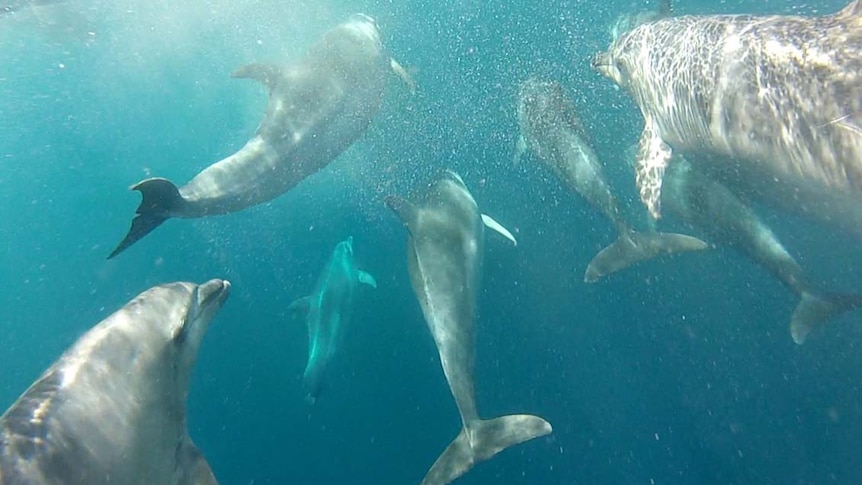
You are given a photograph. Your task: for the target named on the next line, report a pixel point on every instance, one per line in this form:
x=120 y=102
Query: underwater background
x=676 y=371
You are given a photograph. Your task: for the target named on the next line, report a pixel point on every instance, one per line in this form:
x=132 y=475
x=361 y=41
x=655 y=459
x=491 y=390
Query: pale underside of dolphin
x=112 y=408
x=328 y=313
x=444 y=251
x=711 y=207
x=774 y=100
x=551 y=130
x=317 y=108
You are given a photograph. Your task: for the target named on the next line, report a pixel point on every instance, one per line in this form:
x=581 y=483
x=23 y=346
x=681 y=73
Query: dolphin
x=317 y=108
x=708 y=205
x=444 y=258
x=112 y=409
x=328 y=312
x=550 y=128
x=772 y=101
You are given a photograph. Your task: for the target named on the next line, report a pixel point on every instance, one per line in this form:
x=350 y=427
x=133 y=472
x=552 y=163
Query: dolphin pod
x=550 y=128
x=773 y=103
x=317 y=108
x=444 y=255
x=328 y=312
x=112 y=408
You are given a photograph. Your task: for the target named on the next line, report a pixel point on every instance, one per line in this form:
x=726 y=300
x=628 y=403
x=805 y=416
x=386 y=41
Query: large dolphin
x=550 y=128
x=772 y=101
x=112 y=409
x=711 y=207
x=328 y=312
x=317 y=108
x=445 y=246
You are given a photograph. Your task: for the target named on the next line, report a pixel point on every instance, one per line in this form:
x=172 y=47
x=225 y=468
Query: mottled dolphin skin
x=317 y=108
x=328 y=311
x=550 y=128
x=772 y=100
x=445 y=246
x=112 y=409
x=711 y=207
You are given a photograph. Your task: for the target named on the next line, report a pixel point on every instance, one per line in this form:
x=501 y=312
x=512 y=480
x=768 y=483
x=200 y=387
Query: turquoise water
x=675 y=371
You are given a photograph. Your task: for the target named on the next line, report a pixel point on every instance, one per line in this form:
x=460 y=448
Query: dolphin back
x=480 y=440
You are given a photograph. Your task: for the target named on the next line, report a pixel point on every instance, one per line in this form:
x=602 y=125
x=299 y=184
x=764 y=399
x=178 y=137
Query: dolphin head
x=344 y=249
x=364 y=26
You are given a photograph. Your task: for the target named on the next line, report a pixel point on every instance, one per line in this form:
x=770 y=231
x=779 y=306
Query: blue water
x=674 y=372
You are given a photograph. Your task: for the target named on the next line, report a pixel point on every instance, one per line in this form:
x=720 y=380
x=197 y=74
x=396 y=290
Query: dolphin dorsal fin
x=490 y=223
x=854 y=9
x=367 y=279
x=266 y=74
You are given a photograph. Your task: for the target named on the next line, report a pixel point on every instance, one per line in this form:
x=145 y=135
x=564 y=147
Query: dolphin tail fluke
x=814 y=310
x=160 y=199
x=633 y=247
x=480 y=440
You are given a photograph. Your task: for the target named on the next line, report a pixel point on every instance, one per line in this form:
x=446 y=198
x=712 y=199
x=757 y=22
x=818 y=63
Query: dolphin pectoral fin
x=367 y=279
x=300 y=305
x=193 y=467
x=480 y=441
x=405 y=210
x=160 y=199
x=266 y=74
x=520 y=150
x=634 y=247
x=403 y=74
x=490 y=223
x=652 y=160
x=813 y=310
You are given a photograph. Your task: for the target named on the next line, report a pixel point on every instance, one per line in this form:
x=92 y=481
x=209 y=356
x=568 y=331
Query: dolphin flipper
x=367 y=279
x=520 y=150
x=160 y=198
x=399 y=70
x=490 y=223
x=266 y=74
x=814 y=309
x=195 y=469
x=633 y=247
x=482 y=439
x=652 y=160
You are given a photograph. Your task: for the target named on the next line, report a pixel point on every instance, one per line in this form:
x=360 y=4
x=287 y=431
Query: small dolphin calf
x=710 y=206
x=328 y=312
x=317 y=108
x=550 y=128
x=775 y=100
x=444 y=257
x=112 y=409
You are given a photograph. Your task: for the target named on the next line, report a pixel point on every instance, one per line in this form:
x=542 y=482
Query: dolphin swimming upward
x=711 y=207
x=317 y=108
x=112 y=409
x=550 y=128
x=328 y=311
x=444 y=256
x=772 y=101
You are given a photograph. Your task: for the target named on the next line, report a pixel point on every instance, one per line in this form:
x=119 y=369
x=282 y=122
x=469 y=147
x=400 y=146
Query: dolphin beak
x=213 y=291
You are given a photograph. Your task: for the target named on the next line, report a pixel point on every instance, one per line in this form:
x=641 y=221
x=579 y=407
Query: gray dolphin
x=550 y=128
x=112 y=409
x=317 y=108
x=775 y=101
x=445 y=247
x=711 y=207
x=328 y=311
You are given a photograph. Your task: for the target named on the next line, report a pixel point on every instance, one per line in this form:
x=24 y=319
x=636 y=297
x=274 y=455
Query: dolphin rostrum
x=112 y=409
x=317 y=108
x=773 y=100
x=550 y=128
x=444 y=255
x=328 y=312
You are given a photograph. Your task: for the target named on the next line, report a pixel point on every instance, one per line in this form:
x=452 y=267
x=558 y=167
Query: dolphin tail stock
x=160 y=198
x=633 y=247
x=480 y=440
x=817 y=309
